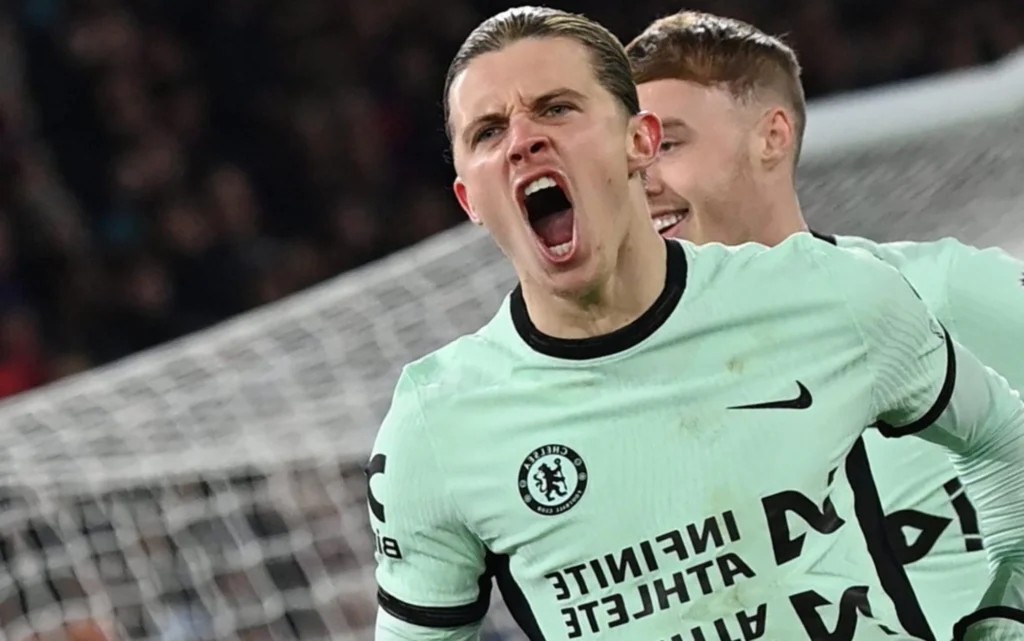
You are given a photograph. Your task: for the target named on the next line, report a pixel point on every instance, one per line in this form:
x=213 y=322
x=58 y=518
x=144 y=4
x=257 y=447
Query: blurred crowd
x=165 y=164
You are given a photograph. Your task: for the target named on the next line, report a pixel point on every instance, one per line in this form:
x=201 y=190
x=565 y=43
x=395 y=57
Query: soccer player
x=733 y=112
x=651 y=440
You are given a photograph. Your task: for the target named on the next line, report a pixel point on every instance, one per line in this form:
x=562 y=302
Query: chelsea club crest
x=552 y=479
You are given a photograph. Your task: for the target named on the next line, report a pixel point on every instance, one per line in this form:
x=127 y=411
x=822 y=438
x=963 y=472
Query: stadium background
x=167 y=165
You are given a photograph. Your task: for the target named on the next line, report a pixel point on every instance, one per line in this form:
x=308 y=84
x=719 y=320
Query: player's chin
x=572 y=278
x=572 y=285
x=556 y=277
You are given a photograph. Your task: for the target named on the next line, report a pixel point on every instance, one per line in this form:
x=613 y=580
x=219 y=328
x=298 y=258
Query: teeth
x=661 y=223
x=544 y=182
x=561 y=250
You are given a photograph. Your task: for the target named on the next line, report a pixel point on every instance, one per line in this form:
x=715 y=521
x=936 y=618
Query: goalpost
x=213 y=488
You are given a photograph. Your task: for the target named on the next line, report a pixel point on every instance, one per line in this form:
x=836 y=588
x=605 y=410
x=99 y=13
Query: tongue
x=555 y=229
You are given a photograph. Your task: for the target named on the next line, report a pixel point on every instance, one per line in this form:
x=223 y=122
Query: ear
x=644 y=140
x=462 y=196
x=777 y=138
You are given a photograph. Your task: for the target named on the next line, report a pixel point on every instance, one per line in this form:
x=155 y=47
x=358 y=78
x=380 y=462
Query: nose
x=526 y=144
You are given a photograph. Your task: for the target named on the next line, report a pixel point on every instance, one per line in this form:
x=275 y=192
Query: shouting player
x=733 y=113
x=651 y=440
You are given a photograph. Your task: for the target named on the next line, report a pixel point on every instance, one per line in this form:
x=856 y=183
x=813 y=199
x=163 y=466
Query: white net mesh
x=213 y=489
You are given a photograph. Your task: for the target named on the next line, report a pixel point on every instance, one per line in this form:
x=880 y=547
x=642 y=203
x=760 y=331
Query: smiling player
x=650 y=440
x=733 y=111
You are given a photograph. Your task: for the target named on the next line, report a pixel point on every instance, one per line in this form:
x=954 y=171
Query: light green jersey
x=978 y=295
x=696 y=476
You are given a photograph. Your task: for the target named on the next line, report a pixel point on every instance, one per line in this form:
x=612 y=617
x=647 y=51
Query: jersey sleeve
x=927 y=385
x=985 y=307
x=431 y=572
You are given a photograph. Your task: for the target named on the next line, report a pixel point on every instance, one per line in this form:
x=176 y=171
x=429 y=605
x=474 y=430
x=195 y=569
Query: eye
x=668 y=145
x=557 y=109
x=485 y=133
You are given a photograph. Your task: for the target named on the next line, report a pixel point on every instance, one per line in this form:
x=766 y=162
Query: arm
x=985 y=298
x=986 y=305
x=431 y=574
x=927 y=385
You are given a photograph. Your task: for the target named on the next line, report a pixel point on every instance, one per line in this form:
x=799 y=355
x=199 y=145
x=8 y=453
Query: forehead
x=689 y=101
x=497 y=81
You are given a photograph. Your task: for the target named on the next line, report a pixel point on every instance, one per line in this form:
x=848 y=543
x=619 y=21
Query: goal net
x=213 y=489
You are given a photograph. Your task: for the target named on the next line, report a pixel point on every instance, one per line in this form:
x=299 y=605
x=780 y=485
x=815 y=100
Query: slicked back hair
x=608 y=57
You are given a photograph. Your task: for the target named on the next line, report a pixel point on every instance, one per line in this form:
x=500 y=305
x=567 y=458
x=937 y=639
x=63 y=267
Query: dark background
x=166 y=164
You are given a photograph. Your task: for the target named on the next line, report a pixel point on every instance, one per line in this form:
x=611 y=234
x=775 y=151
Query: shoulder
x=440 y=374
x=961 y=259
x=431 y=387
x=982 y=283
x=932 y=255
x=468 y=363
x=801 y=277
x=935 y=268
x=871 y=285
x=935 y=253
x=405 y=432
x=801 y=256
x=718 y=259
x=800 y=267
x=851 y=259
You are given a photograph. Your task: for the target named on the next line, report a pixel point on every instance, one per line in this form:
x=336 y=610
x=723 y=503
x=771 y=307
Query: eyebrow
x=541 y=101
x=674 y=123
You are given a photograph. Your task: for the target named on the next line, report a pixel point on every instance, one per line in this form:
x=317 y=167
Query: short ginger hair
x=715 y=51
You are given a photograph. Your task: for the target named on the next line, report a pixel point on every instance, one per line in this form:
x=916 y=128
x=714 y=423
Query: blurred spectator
x=21 y=363
x=166 y=164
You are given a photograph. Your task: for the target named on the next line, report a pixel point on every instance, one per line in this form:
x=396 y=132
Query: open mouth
x=550 y=214
x=666 y=222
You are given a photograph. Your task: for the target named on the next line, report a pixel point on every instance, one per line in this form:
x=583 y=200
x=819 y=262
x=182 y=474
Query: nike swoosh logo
x=801 y=402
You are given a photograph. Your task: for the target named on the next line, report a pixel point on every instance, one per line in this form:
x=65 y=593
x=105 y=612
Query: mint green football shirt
x=696 y=476
x=978 y=296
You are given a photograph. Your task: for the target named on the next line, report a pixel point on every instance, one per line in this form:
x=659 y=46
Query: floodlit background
x=166 y=165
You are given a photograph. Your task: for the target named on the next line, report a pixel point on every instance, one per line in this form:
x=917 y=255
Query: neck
x=778 y=218
x=629 y=288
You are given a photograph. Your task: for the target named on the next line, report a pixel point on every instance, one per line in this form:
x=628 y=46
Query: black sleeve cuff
x=435 y=617
x=994 y=612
